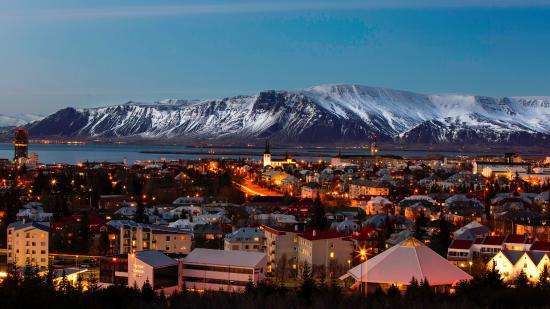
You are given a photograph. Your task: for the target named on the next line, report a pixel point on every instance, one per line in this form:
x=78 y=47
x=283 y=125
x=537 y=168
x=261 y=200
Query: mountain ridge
x=328 y=113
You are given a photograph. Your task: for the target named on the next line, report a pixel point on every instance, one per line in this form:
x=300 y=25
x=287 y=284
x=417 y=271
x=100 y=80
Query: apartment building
x=323 y=248
x=281 y=244
x=127 y=236
x=28 y=244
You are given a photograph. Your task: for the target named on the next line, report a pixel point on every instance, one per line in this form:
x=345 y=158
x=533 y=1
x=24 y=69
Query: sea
x=75 y=153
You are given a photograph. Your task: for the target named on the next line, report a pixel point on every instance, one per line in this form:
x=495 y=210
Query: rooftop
x=225 y=258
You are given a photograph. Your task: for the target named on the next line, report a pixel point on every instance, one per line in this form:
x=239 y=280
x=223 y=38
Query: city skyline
x=104 y=53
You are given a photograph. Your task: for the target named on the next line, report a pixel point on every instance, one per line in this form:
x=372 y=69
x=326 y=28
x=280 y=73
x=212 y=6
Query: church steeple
x=267 y=150
x=267 y=154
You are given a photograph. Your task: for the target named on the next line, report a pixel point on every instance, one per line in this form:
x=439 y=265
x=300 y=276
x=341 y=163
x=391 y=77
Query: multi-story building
x=281 y=245
x=28 y=244
x=245 y=239
x=324 y=248
x=208 y=269
x=127 y=236
x=363 y=188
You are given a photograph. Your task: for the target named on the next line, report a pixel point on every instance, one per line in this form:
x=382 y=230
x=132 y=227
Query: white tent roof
x=410 y=258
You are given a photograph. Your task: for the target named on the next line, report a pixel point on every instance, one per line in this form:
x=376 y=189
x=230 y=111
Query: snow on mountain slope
x=18 y=120
x=326 y=113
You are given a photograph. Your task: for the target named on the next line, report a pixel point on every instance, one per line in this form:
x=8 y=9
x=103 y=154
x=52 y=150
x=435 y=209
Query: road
x=252 y=189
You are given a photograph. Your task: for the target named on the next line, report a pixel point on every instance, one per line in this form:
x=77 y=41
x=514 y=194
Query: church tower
x=374 y=147
x=267 y=155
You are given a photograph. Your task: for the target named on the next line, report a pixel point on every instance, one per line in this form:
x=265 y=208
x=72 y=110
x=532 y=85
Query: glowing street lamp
x=362 y=253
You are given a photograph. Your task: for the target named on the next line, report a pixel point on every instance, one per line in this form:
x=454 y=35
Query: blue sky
x=55 y=54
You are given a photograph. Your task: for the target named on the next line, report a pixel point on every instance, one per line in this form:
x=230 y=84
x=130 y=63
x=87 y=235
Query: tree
x=420 y=226
x=544 y=279
x=147 y=292
x=318 y=218
x=412 y=289
x=442 y=239
x=308 y=286
x=521 y=281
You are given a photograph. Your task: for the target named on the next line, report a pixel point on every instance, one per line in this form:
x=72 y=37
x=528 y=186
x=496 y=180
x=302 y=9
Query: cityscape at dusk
x=272 y=154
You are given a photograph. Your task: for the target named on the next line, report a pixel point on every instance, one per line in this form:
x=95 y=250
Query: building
x=459 y=252
x=28 y=244
x=154 y=267
x=324 y=249
x=510 y=263
x=127 y=236
x=245 y=239
x=269 y=161
x=363 y=188
x=401 y=263
x=208 y=269
x=506 y=169
x=281 y=245
x=310 y=191
x=21 y=145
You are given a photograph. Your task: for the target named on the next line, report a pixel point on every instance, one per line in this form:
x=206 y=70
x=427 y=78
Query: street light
x=363 y=257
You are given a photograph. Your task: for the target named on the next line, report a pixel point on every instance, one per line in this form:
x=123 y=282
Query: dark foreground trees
x=30 y=290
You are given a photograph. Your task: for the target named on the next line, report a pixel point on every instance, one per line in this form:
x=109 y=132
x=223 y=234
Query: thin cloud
x=130 y=12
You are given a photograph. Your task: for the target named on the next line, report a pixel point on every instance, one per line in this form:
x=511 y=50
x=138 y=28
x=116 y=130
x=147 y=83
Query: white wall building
x=28 y=243
x=208 y=269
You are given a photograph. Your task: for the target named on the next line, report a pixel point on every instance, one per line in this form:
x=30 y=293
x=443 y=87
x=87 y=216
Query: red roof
x=493 y=240
x=277 y=230
x=318 y=235
x=517 y=239
x=540 y=246
x=462 y=244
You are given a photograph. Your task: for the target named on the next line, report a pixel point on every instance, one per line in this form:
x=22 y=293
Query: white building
x=127 y=236
x=208 y=269
x=245 y=239
x=28 y=244
x=154 y=267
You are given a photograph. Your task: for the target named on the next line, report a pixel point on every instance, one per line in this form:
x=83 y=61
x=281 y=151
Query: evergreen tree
x=412 y=290
x=420 y=226
x=544 y=279
x=521 y=281
x=308 y=286
x=318 y=218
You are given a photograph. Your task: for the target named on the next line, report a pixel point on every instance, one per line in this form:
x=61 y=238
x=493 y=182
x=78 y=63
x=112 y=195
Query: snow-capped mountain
x=18 y=120
x=321 y=114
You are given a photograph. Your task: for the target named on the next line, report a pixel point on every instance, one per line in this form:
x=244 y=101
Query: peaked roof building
x=404 y=261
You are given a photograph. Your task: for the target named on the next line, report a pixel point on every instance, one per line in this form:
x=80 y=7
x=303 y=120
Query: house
x=28 y=244
x=471 y=231
x=208 y=269
x=324 y=248
x=510 y=263
x=155 y=268
x=33 y=211
x=245 y=239
x=378 y=205
x=311 y=190
x=487 y=246
x=459 y=252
